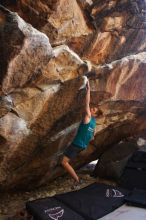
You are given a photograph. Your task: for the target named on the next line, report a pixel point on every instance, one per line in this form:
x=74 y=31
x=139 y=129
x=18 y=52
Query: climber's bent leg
x=69 y=168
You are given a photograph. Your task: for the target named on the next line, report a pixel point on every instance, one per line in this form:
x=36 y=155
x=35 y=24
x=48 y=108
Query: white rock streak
x=64 y=132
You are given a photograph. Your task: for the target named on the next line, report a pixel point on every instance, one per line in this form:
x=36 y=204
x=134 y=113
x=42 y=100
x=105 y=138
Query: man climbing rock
x=84 y=135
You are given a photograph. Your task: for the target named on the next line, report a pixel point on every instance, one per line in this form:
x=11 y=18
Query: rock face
x=120 y=30
x=37 y=81
x=97 y=31
x=60 y=20
x=40 y=100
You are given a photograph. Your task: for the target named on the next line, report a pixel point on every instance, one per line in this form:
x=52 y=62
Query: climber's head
x=95 y=111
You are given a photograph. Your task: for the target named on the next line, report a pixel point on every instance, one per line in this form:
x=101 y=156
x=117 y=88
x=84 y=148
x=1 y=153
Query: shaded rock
x=120 y=31
x=112 y=163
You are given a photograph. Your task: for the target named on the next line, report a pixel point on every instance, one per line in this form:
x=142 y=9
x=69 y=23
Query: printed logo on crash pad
x=55 y=213
x=113 y=193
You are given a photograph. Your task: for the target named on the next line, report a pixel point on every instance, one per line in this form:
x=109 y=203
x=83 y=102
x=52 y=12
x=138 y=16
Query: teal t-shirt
x=85 y=133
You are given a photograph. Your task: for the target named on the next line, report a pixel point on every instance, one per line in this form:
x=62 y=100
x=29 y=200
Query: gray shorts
x=72 y=151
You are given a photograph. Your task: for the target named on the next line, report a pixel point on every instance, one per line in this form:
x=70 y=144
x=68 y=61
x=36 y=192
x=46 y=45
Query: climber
x=84 y=135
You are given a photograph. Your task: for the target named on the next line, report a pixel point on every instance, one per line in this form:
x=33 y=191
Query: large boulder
x=39 y=87
x=112 y=163
x=40 y=97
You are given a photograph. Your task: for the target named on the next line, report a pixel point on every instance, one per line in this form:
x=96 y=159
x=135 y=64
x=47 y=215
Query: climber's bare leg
x=69 y=168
